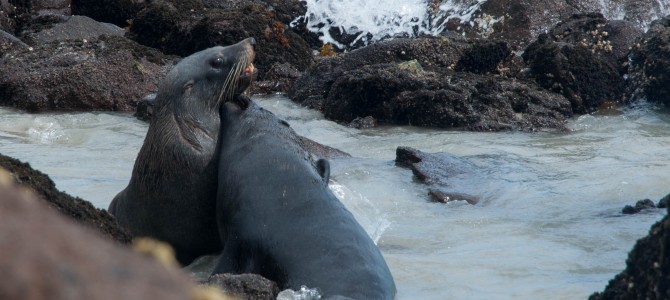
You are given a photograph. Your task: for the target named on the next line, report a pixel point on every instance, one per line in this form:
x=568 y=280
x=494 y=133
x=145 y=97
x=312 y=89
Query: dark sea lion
x=172 y=191
x=278 y=218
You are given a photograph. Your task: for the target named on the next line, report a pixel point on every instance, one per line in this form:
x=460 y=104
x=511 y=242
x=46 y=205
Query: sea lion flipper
x=323 y=167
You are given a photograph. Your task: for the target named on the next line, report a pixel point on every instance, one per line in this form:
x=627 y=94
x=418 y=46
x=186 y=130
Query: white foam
x=304 y=293
x=373 y=221
x=384 y=18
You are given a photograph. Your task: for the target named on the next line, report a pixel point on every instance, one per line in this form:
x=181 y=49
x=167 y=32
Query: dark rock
x=363 y=122
x=7 y=13
x=436 y=171
x=649 y=64
x=483 y=57
x=431 y=53
x=319 y=150
x=574 y=69
x=279 y=79
x=57 y=7
x=411 y=81
x=647 y=273
x=109 y=73
x=118 y=12
x=69 y=28
x=9 y=42
x=81 y=211
x=251 y=286
x=664 y=202
x=459 y=100
x=46 y=256
x=639 y=206
x=184 y=27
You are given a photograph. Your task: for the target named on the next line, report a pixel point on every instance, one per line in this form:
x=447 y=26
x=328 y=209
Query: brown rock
x=249 y=286
x=76 y=209
x=108 y=73
x=45 y=256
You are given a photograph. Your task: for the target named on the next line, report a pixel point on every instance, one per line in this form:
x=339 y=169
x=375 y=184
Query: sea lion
x=172 y=191
x=278 y=218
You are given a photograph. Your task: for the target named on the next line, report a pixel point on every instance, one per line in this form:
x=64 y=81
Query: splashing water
x=372 y=21
x=304 y=293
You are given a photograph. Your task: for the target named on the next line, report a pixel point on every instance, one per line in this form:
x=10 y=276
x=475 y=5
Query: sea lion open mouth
x=247 y=77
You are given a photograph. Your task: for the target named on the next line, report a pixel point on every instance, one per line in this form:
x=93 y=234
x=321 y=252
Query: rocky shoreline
x=529 y=72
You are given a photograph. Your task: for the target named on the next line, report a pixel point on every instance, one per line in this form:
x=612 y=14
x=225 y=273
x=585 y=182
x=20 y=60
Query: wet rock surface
x=576 y=59
x=647 y=273
x=184 y=27
x=249 y=286
x=108 y=73
x=412 y=81
x=649 y=65
x=81 y=211
x=436 y=170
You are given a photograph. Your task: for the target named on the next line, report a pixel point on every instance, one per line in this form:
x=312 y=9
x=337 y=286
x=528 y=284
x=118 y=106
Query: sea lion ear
x=323 y=167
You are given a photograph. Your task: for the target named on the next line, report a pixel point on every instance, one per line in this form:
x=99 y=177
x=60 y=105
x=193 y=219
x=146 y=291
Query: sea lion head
x=201 y=82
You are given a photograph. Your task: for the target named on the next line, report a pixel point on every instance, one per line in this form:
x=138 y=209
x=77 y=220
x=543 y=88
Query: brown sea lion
x=278 y=218
x=172 y=191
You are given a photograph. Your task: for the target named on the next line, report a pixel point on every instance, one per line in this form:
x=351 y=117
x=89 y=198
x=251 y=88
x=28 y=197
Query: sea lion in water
x=278 y=218
x=172 y=191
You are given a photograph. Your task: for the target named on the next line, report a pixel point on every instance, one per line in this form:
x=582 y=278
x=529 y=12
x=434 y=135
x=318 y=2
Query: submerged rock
x=437 y=170
x=647 y=273
x=79 y=210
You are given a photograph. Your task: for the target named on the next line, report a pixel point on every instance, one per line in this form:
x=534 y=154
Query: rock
x=45 y=256
x=278 y=79
x=567 y=63
x=81 y=211
x=436 y=170
x=363 y=123
x=69 y=28
x=118 y=12
x=639 y=206
x=109 y=73
x=664 y=202
x=412 y=81
x=647 y=273
x=184 y=27
x=250 y=286
x=649 y=64
x=320 y=150
x=9 y=42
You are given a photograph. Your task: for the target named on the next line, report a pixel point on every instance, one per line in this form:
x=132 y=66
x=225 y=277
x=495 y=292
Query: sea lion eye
x=217 y=62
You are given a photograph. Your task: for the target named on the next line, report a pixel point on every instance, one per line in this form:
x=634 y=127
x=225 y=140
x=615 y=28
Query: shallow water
x=548 y=226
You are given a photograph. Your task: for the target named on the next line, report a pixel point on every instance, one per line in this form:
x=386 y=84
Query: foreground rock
x=650 y=62
x=438 y=171
x=46 y=256
x=107 y=73
x=249 y=286
x=647 y=273
x=431 y=82
x=81 y=211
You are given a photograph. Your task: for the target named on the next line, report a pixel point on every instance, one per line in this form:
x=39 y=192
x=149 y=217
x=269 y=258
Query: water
x=376 y=20
x=548 y=226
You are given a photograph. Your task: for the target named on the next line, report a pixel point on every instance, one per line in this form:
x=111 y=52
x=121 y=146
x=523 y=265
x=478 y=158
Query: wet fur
x=172 y=190
x=278 y=218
